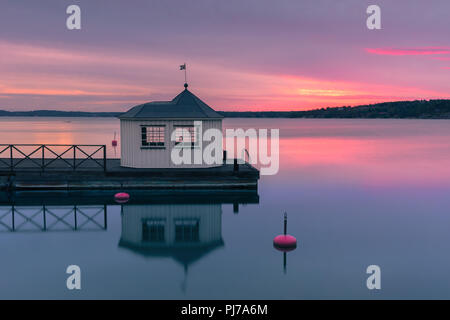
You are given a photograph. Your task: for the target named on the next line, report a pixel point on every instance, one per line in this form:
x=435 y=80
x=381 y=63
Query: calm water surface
x=358 y=192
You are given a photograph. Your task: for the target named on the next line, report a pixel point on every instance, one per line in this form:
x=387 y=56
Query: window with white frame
x=185 y=136
x=153 y=136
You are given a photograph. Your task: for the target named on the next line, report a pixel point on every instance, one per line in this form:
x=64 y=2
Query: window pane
x=185 y=135
x=153 y=136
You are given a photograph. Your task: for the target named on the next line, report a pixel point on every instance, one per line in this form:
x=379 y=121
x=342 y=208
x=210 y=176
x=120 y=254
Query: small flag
x=183 y=67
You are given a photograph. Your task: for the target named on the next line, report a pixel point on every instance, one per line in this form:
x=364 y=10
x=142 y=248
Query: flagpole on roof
x=183 y=67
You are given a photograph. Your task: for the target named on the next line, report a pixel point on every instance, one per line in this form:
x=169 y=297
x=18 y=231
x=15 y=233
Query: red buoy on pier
x=285 y=242
x=121 y=197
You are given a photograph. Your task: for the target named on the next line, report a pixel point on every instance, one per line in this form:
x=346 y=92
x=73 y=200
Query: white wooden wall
x=132 y=155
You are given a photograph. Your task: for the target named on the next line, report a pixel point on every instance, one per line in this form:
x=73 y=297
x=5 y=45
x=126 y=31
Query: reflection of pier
x=40 y=198
x=52 y=218
x=182 y=225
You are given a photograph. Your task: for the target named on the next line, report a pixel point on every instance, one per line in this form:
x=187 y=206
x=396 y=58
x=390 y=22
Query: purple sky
x=241 y=55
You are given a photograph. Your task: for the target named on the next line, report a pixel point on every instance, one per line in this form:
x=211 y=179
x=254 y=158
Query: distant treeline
x=55 y=113
x=419 y=109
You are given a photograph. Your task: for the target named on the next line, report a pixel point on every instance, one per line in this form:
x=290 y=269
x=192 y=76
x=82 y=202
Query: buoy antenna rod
x=285 y=223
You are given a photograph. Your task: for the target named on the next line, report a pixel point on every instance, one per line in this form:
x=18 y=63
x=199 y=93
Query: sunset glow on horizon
x=240 y=57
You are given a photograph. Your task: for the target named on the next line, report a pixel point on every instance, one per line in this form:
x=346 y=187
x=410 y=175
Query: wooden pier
x=84 y=170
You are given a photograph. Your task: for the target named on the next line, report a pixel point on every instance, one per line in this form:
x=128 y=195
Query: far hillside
x=418 y=109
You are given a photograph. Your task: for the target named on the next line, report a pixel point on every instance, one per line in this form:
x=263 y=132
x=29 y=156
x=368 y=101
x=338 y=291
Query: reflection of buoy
x=285 y=242
x=114 y=142
x=121 y=197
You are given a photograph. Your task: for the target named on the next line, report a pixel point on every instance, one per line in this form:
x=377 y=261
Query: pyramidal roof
x=184 y=106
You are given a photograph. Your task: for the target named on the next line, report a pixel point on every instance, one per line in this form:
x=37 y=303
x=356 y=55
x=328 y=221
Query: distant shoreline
x=417 y=109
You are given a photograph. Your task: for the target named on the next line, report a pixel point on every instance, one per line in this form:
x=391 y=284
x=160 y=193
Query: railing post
x=43 y=157
x=74 y=157
x=11 y=157
x=104 y=158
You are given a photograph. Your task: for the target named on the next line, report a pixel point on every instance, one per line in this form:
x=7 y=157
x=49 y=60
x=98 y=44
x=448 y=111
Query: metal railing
x=52 y=156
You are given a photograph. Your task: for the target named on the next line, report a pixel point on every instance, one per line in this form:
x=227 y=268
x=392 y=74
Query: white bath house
x=150 y=131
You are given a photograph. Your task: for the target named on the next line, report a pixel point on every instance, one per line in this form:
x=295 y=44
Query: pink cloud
x=409 y=52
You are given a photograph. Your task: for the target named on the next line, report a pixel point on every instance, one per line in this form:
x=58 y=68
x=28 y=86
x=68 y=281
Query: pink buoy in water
x=121 y=197
x=285 y=242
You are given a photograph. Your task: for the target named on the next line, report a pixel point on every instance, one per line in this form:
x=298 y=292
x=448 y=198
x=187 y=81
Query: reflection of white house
x=185 y=232
x=146 y=131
